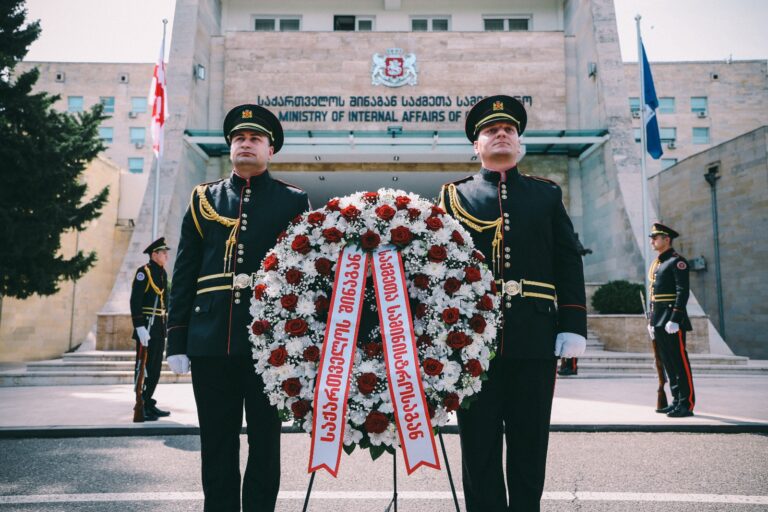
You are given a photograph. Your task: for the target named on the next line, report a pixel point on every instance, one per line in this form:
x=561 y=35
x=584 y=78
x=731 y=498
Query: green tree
x=42 y=156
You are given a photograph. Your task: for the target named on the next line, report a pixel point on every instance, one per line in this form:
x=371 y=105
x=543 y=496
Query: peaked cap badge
x=247 y=114
x=498 y=105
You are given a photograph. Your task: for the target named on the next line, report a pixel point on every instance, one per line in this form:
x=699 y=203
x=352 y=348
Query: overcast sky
x=673 y=30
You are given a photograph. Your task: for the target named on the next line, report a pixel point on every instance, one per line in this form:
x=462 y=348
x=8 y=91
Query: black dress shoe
x=667 y=409
x=158 y=412
x=680 y=412
x=149 y=415
x=567 y=371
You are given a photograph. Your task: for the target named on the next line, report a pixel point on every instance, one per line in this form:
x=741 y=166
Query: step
x=649 y=369
x=74 y=378
x=624 y=357
x=87 y=366
x=101 y=355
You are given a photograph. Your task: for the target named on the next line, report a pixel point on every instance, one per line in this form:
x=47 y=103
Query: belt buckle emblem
x=241 y=281
x=512 y=288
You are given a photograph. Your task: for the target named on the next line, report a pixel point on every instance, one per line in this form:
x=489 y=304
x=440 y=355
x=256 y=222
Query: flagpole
x=158 y=160
x=643 y=151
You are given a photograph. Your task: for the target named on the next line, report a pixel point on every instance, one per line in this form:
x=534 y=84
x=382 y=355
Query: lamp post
x=712 y=178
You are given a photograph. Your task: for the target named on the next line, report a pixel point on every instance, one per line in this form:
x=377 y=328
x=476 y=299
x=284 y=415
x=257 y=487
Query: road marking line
x=403 y=495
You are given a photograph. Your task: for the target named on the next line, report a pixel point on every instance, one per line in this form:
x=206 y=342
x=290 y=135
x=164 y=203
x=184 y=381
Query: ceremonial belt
x=664 y=297
x=224 y=281
x=153 y=311
x=527 y=288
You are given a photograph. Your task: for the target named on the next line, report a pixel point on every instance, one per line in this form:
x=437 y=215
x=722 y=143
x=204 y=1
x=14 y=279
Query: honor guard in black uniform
x=149 y=296
x=228 y=228
x=669 y=322
x=520 y=224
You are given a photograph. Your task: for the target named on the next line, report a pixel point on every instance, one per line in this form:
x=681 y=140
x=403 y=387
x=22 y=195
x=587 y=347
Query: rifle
x=138 y=407
x=661 y=395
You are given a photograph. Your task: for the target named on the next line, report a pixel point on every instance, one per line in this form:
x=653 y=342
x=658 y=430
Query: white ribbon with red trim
x=338 y=354
x=402 y=362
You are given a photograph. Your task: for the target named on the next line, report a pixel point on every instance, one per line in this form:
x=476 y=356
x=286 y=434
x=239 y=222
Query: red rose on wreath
x=322 y=304
x=385 y=212
x=292 y=386
x=289 y=301
x=471 y=274
x=258 y=291
x=401 y=236
x=300 y=408
x=333 y=205
x=436 y=210
x=259 y=327
x=316 y=218
x=457 y=340
x=450 y=315
x=311 y=354
x=437 y=253
x=350 y=212
x=478 y=255
x=494 y=289
x=371 y=197
x=369 y=240
x=372 y=349
x=451 y=285
x=376 y=422
x=474 y=367
x=270 y=262
x=451 y=402
x=421 y=281
x=293 y=276
x=295 y=327
x=457 y=238
x=414 y=213
x=278 y=356
x=296 y=220
x=432 y=366
x=424 y=340
x=282 y=236
x=486 y=303
x=421 y=310
x=323 y=266
x=402 y=202
x=477 y=323
x=332 y=235
x=434 y=223
x=366 y=383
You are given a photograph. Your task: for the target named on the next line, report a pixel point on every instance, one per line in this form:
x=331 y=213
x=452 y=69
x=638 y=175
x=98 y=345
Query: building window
x=74 y=104
x=701 y=135
x=138 y=104
x=668 y=135
x=106 y=134
x=634 y=105
x=699 y=105
x=638 y=134
x=138 y=136
x=666 y=163
x=429 y=24
x=506 y=24
x=345 y=23
x=109 y=104
x=667 y=105
x=136 y=165
x=273 y=23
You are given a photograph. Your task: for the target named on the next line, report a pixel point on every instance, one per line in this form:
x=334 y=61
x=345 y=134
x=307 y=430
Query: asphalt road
x=586 y=472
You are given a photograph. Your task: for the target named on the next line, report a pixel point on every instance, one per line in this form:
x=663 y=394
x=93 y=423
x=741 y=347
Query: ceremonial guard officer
x=149 y=296
x=520 y=224
x=669 y=322
x=228 y=228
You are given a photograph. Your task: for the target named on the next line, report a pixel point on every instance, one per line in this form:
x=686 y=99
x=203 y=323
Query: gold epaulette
x=155 y=288
x=539 y=178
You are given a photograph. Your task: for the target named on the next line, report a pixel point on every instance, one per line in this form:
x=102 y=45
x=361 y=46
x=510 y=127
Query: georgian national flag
x=158 y=100
x=652 y=137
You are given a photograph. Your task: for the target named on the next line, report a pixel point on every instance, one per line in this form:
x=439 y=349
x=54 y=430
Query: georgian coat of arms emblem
x=394 y=69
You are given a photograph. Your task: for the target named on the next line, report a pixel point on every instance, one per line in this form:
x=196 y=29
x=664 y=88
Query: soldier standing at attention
x=519 y=223
x=149 y=296
x=226 y=232
x=669 y=290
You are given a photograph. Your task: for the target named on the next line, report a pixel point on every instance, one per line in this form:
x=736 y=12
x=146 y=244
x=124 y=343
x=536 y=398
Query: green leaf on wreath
x=376 y=451
x=284 y=414
x=349 y=448
x=484 y=377
x=468 y=401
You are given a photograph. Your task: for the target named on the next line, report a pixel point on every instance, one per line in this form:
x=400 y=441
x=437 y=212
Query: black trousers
x=222 y=385
x=674 y=358
x=155 y=352
x=514 y=405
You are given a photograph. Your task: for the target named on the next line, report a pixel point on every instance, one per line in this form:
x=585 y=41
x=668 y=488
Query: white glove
x=651 y=331
x=671 y=327
x=179 y=363
x=568 y=344
x=143 y=335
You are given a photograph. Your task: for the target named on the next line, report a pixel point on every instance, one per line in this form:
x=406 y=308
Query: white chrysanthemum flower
x=352 y=435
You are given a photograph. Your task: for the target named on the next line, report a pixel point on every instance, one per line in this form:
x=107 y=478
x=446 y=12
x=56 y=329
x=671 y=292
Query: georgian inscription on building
x=392 y=108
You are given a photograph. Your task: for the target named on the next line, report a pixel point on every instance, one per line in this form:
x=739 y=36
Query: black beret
x=157 y=245
x=492 y=110
x=661 y=229
x=256 y=118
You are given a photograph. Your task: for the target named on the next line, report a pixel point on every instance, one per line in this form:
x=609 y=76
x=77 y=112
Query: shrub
x=618 y=297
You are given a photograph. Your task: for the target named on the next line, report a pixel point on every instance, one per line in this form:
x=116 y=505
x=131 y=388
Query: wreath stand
x=393 y=501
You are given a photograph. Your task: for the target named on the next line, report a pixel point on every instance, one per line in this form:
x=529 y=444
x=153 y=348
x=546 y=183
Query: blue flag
x=652 y=137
